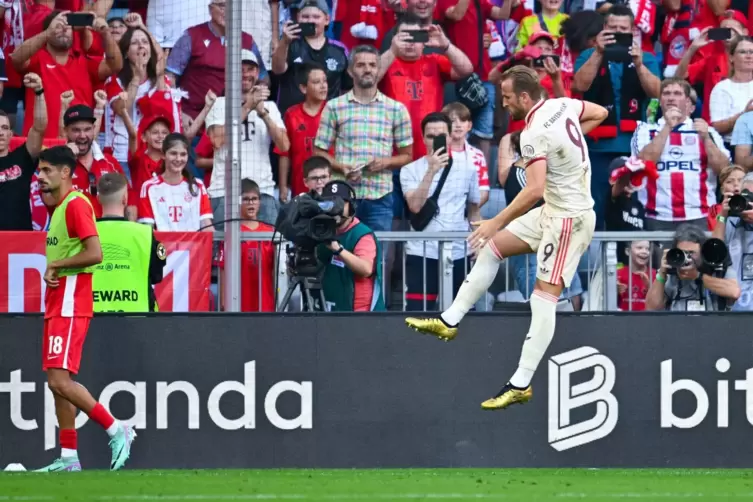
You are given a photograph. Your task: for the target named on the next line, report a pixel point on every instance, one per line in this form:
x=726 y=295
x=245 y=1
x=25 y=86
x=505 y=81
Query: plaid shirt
x=362 y=132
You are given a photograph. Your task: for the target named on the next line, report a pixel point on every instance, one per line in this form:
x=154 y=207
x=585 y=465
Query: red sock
x=68 y=439
x=100 y=415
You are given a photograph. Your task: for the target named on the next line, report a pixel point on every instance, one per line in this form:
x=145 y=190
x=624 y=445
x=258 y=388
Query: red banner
x=185 y=287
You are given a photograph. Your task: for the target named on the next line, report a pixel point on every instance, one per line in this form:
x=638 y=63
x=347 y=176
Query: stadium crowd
x=359 y=91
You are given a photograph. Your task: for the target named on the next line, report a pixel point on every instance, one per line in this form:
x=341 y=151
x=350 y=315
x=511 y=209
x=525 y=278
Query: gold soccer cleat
x=507 y=396
x=432 y=326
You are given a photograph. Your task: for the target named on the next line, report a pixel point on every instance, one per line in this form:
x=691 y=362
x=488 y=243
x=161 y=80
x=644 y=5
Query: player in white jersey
x=558 y=169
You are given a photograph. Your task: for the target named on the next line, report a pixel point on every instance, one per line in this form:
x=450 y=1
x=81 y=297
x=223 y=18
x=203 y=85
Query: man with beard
x=50 y=55
x=17 y=167
x=559 y=232
x=91 y=162
x=365 y=127
x=261 y=124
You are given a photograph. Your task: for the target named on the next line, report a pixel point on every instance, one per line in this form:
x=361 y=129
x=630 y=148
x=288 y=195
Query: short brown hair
x=110 y=185
x=458 y=109
x=686 y=88
x=524 y=79
x=315 y=162
x=250 y=186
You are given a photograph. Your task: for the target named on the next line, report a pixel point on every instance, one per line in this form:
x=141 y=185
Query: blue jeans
x=483 y=119
x=376 y=214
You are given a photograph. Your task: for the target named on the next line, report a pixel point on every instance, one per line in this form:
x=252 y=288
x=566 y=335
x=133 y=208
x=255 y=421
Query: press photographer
x=734 y=225
x=694 y=275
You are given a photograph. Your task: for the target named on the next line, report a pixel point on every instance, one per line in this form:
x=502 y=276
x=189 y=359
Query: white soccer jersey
x=173 y=208
x=553 y=133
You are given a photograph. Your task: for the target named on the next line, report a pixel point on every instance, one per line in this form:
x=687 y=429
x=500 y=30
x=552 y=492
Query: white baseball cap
x=248 y=56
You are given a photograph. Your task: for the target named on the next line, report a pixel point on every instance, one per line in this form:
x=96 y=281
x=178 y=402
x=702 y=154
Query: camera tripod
x=311 y=291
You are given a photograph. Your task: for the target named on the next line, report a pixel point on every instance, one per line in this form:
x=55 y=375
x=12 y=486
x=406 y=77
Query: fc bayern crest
x=188 y=197
x=527 y=151
x=689 y=140
x=678 y=46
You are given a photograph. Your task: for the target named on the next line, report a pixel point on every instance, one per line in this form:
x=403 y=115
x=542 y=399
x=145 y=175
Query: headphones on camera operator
x=715 y=260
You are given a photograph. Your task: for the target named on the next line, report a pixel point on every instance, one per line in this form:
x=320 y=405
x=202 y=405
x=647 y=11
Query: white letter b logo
x=563 y=398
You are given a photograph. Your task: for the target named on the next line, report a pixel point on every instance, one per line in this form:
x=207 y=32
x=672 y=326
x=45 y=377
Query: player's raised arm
x=592 y=116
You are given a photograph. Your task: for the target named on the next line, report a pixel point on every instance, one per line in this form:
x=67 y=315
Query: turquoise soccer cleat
x=120 y=444
x=62 y=465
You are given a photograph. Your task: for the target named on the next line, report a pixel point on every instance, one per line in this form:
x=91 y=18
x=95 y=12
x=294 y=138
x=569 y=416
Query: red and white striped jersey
x=174 y=208
x=685 y=189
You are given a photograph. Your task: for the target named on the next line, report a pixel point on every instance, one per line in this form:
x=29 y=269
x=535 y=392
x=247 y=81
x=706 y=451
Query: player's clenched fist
x=100 y=98
x=33 y=81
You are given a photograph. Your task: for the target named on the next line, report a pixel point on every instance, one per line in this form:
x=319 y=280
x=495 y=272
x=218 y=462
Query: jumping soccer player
x=73 y=249
x=558 y=169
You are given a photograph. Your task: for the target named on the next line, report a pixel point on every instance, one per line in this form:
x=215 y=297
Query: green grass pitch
x=382 y=485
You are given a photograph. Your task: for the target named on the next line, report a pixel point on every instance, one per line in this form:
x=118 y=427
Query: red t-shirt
x=205 y=150
x=79 y=74
x=467 y=32
x=143 y=168
x=637 y=287
x=74 y=296
x=302 y=129
x=710 y=71
x=419 y=85
x=84 y=180
x=257 y=267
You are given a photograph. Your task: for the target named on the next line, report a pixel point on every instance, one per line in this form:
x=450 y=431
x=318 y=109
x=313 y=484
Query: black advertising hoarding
x=332 y=390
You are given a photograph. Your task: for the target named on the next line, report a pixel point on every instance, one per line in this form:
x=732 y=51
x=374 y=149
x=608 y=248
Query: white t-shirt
x=460 y=188
x=553 y=133
x=255 y=142
x=173 y=208
x=168 y=19
x=729 y=98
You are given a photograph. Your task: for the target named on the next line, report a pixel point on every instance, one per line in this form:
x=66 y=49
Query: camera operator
x=686 y=286
x=735 y=228
x=352 y=279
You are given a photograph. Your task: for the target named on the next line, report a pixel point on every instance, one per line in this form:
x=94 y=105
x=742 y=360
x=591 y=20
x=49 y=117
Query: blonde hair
x=727 y=172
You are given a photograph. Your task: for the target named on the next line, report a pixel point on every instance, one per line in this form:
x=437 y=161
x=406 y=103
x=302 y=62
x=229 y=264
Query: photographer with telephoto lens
x=735 y=227
x=694 y=276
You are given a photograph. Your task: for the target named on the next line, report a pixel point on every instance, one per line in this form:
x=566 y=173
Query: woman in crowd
x=733 y=96
x=142 y=76
x=730 y=183
x=175 y=201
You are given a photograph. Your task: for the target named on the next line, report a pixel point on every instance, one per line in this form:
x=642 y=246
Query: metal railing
x=594 y=288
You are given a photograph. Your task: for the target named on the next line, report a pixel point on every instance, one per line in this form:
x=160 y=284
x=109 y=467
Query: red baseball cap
x=539 y=35
x=735 y=15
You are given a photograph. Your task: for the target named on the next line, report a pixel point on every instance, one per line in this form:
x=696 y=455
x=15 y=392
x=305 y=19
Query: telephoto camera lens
x=677 y=258
x=739 y=202
x=714 y=252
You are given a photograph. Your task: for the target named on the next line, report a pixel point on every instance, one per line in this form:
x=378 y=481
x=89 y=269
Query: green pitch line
x=382 y=485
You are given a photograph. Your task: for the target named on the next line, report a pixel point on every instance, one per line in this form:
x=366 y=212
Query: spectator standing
x=737 y=234
x=352 y=279
x=258 y=258
x=197 y=61
x=295 y=50
x=316 y=173
x=685 y=20
x=688 y=155
x=175 y=201
x=416 y=79
x=459 y=201
x=462 y=152
x=365 y=127
x=715 y=65
x=17 y=167
x=261 y=125
x=687 y=289
x=742 y=140
x=465 y=23
x=549 y=20
x=302 y=122
x=634 y=279
x=143 y=79
x=169 y=19
x=730 y=183
x=91 y=163
x=624 y=211
x=50 y=55
x=624 y=88
x=732 y=97
x=424 y=11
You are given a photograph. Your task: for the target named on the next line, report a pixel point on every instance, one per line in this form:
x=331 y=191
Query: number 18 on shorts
x=63 y=342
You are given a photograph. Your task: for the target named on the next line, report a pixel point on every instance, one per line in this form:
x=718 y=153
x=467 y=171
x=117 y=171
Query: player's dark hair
x=126 y=74
x=524 y=80
x=303 y=72
x=171 y=140
x=620 y=10
x=434 y=118
x=409 y=18
x=250 y=186
x=59 y=156
x=315 y=162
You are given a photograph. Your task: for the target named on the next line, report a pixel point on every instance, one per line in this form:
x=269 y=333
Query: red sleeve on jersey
x=34 y=64
x=205 y=207
x=79 y=219
x=204 y=147
x=445 y=67
x=486 y=9
x=92 y=65
x=113 y=88
x=518 y=13
x=145 y=205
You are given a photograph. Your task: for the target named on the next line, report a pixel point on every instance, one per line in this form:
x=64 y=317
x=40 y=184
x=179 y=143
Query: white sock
x=476 y=284
x=68 y=453
x=540 y=334
x=113 y=429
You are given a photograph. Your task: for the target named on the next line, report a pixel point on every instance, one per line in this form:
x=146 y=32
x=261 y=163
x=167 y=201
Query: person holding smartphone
x=304 y=41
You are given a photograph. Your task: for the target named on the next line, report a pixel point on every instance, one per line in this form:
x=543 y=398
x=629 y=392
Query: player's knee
x=59 y=383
